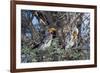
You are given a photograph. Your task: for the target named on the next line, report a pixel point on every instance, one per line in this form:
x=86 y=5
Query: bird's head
x=51 y=30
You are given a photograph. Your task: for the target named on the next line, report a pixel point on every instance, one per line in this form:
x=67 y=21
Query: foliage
x=53 y=53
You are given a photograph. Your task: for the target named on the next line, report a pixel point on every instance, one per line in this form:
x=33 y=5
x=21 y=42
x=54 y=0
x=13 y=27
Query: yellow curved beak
x=51 y=30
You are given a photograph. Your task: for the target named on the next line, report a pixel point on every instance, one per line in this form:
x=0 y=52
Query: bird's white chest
x=47 y=42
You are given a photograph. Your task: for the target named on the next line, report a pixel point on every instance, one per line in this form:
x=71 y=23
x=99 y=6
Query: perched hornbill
x=74 y=37
x=48 y=40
